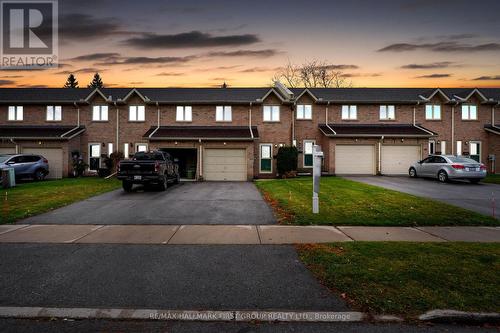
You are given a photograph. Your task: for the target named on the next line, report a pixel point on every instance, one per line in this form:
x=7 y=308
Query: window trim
x=16 y=112
x=224 y=109
x=100 y=120
x=468 y=112
x=303 y=112
x=183 y=120
x=260 y=158
x=386 y=112
x=53 y=113
x=137 y=120
x=271 y=106
x=304 y=153
x=349 y=112
x=433 y=111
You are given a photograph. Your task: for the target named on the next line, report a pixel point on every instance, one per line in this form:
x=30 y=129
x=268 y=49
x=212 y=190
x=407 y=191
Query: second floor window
x=271 y=113
x=223 y=113
x=469 y=112
x=15 y=113
x=304 y=111
x=54 y=113
x=136 y=113
x=100 y=113
x=433 y=112
x=349 y=112
x=184 y=113
x=387 y=112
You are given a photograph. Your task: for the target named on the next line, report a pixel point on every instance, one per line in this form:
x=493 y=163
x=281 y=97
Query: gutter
x=157 y=127
x=326 y=119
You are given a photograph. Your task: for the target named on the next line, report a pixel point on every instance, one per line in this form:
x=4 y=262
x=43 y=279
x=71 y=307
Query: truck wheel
x=127 y=186
x=163 y=184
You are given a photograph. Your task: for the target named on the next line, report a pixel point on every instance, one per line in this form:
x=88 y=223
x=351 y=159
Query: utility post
x=317 y=159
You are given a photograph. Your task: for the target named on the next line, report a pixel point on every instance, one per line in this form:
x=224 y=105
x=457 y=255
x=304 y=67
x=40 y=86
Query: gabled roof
x=299 y=92
x=132 y=92
x=98 y=92
x=438 y=91
x=374 y=130
x=29 y=132
x=240 y=133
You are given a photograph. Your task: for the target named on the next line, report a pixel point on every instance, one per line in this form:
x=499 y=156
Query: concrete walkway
x=236 y=234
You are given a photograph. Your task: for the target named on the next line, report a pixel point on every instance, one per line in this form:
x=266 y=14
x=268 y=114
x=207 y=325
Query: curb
x=453 y=316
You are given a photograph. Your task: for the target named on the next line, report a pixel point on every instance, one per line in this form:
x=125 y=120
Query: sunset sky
x=424 y=43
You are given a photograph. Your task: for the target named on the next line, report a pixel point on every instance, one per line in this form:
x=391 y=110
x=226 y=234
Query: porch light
x=175 y=142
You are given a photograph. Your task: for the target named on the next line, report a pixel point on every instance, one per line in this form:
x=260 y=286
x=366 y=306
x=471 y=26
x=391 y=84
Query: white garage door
x=8 y=150
x=396 y=160
x=225 y=164
x=55 y=158
x=355 y=159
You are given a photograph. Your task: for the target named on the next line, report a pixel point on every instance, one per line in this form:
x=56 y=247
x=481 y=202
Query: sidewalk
x=237 y=234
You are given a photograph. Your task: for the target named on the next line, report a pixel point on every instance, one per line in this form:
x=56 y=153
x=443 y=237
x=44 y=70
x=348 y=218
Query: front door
x=94 y=157
x=475 y=151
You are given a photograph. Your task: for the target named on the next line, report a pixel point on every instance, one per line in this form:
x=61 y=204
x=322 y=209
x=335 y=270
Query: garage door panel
x=8 y=150
x=225 y=164
x=355 y=159
x=55 y=158
x=396 y=160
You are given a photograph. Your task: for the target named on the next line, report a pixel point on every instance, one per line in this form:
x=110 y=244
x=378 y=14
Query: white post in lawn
x=317 y=158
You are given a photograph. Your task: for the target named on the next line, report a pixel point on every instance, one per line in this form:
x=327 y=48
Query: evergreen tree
x=71 y=82
x=96 y=82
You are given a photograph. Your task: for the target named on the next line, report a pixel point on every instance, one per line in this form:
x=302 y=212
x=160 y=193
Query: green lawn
x=409 y=278
x=346 y=202
x=28 y=199
x=493 y=179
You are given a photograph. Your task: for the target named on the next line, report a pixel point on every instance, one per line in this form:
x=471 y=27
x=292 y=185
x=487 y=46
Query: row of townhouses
x=235 y=133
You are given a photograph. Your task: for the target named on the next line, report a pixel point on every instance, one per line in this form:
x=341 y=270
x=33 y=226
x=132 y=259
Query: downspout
x=117 y=128
x=15 y=144
x=77 y=114
x=158 y=124
x=293 y=122
x=200 y=176
x=414 y=121
x=250 y=120
x=326 y=119
x=379 y=164
x=453 y=128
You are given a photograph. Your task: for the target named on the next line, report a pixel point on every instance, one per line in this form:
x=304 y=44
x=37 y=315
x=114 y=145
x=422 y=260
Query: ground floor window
x=475 y=150
x=443 y=147
x=432 y=147
x=94 y=156
x=125 y=151
x=141 y=147
x=110 y=148
x=459 y=148
x=266 y=158
x=308 y=153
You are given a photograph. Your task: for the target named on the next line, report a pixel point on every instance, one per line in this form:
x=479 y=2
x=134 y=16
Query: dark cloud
x=83 y=71
x=12 y=76
x=488 y=78
x=77 y=26
x=351 y=75
x=433 y=76
x=189 y=40
x=458 y=36
x=136 y=82
x=341 y=67
x=169 y=74
x=146 y=60
x=432 y=65
x=32 y=86
x=6 y=82
x=259 y=70
x=245 y=53
x=441 y=47
x=95 y=56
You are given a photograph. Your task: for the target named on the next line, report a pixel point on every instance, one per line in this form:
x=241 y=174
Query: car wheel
x=39 y=175
x=442 y=176
x=413 y=173
x=127 y=186
x=163 y=185
x=474 y=181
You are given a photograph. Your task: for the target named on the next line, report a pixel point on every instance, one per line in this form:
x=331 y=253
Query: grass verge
x=492 y=179
x=28 y=199
x=346 y=202
x=409 y=278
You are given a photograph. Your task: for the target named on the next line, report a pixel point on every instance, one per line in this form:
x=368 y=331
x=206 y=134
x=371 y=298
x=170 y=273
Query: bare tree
x=312 y=74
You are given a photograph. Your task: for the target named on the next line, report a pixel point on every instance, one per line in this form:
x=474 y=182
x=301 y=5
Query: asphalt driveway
x=187 y=203
x=475 y=197
x=208 y=277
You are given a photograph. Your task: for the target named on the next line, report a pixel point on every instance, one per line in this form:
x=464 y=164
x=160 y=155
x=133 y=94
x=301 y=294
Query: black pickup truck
x=148 y=168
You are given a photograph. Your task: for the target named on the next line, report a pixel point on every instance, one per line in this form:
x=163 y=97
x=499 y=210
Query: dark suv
x=26 y=165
